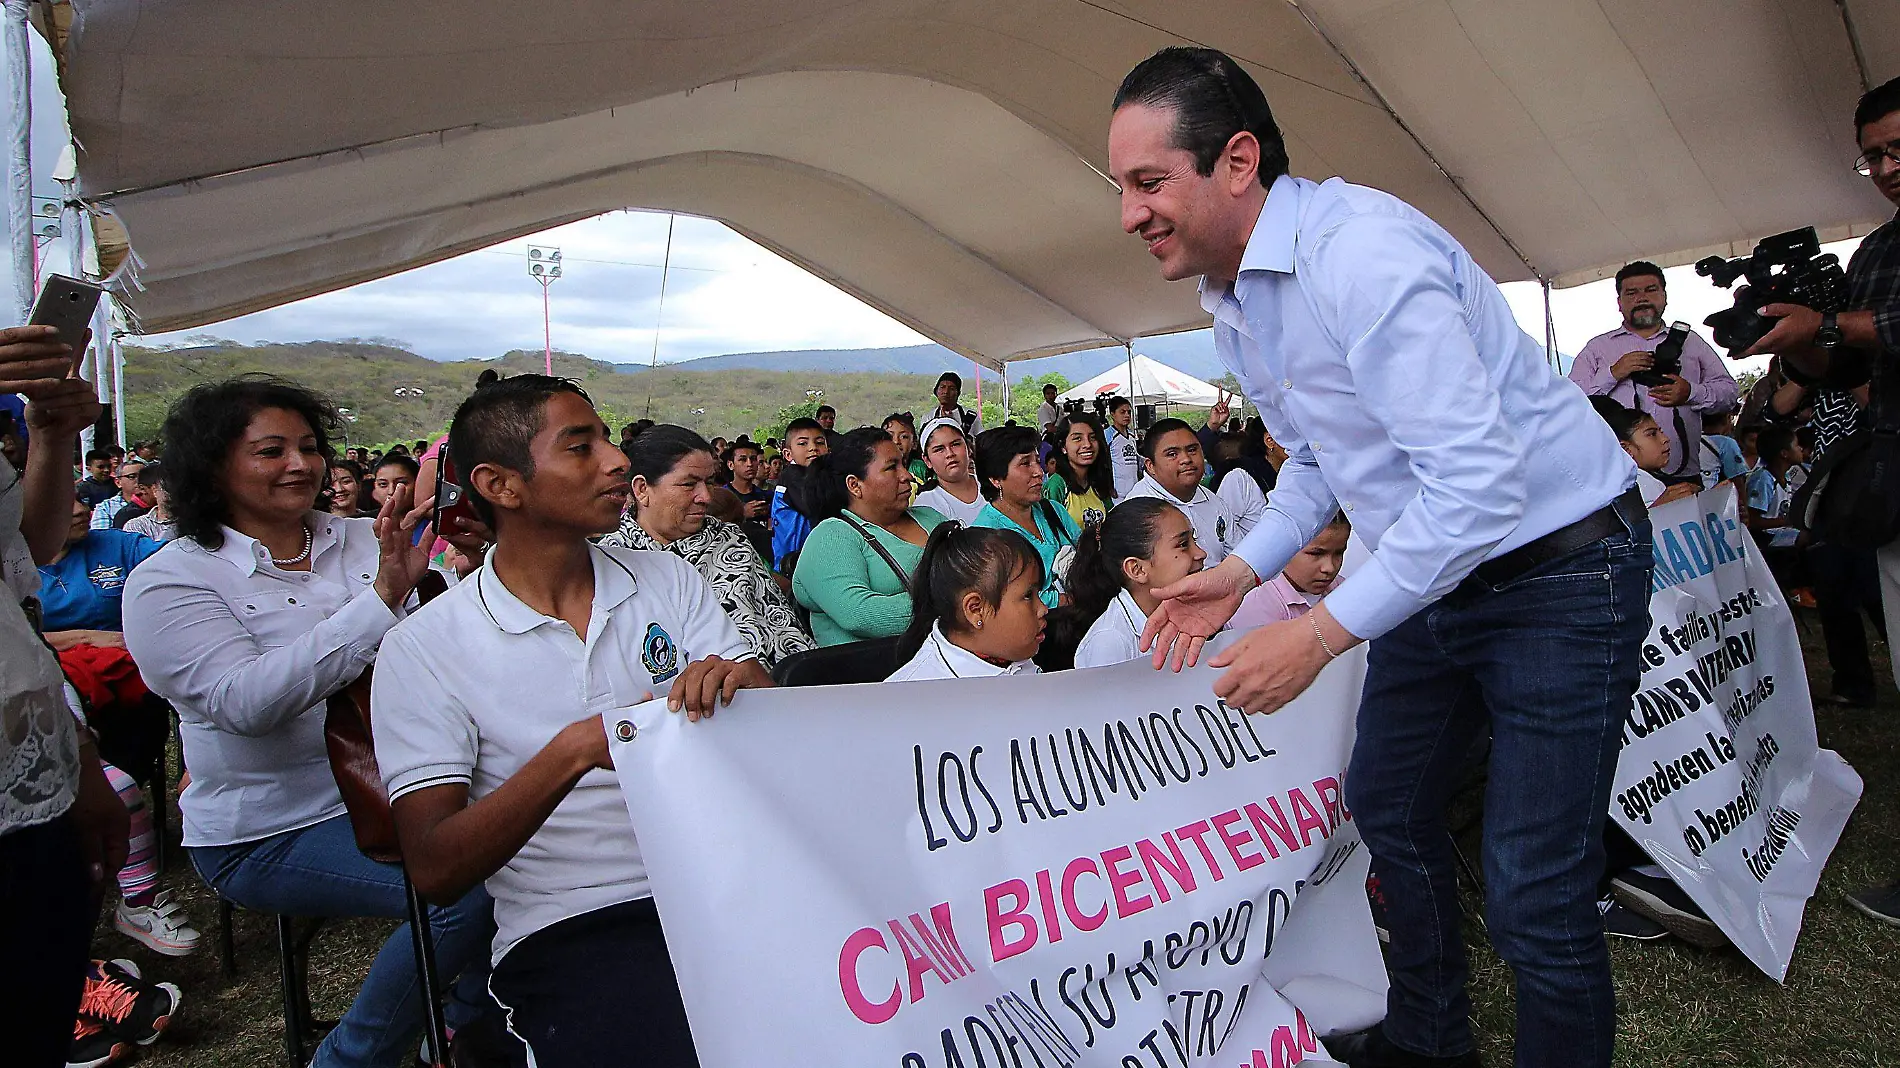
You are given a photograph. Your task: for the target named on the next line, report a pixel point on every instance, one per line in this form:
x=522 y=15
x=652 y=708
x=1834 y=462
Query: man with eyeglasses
x=1827 y=361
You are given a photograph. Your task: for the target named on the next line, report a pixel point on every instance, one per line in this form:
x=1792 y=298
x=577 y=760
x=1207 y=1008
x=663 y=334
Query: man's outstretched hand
x=1194 y=610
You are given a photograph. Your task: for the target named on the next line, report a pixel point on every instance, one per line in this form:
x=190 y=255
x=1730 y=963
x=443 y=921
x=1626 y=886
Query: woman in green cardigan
x=853 y=574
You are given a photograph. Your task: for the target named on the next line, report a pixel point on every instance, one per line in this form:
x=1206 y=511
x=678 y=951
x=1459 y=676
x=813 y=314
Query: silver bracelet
x=1327 y=649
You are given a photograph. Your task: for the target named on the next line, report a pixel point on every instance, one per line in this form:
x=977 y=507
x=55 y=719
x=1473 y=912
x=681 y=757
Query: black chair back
x=835 y=665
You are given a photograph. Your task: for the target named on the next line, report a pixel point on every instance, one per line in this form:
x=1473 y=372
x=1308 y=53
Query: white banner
x=1721 y=779
x=1095 y=868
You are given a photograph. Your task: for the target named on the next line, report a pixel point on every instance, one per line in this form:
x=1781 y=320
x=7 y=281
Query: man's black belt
x=1563 y=541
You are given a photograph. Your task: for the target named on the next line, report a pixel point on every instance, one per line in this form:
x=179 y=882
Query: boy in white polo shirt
x=1175 y=464
x=488 y=707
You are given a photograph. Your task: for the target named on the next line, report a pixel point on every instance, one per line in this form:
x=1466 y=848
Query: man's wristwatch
x=1828 y=337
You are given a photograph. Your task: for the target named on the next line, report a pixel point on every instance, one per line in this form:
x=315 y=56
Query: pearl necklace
x=300 y=557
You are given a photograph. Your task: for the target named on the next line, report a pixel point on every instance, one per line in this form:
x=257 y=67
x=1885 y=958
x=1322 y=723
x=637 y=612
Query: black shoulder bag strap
x=902 y=578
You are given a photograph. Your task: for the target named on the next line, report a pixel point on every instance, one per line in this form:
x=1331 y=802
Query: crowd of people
x=244 y=571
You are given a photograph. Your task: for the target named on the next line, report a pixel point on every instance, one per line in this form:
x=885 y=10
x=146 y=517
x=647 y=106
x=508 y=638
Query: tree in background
x=1024 y=398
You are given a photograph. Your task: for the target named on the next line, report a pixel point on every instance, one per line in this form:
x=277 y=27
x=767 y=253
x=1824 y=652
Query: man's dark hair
x=1162 y=426
x=950 y=376
x=1639 y=269
x=797 y=425
x=1116 y=404
x=733 y=449
x=823 y=408
x=150 y=474
x=206 y=422
x=1878 y=103
x=1049 y=387
x=1212 y=99
x=497 y=426
x=97 y=454
x=407 y=463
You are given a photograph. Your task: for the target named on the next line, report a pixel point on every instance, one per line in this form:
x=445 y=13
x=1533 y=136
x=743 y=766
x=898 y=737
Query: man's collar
x=613 y=583
x=249 y=555
x=1269 y=246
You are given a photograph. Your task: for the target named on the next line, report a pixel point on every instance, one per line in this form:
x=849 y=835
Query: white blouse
x=940 y=659
x=1115 y=637
x=248 y=653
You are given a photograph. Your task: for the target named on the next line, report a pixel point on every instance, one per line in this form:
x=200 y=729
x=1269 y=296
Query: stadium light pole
x=544 y=264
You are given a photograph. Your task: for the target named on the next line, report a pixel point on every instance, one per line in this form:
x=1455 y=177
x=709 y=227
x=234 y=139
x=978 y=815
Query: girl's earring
x=979 y=624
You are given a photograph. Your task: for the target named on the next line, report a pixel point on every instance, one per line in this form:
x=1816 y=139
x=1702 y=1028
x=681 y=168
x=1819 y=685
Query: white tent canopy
x=1154 y=383
x=940 y=160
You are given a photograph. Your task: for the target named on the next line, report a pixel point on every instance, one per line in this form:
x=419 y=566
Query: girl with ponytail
x=1145 y=543
x=976 y=606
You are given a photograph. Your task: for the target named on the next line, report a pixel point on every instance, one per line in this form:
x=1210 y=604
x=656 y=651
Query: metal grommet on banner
x=625 y=730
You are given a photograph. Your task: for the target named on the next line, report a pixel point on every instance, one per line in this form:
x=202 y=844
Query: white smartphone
x=68 y=304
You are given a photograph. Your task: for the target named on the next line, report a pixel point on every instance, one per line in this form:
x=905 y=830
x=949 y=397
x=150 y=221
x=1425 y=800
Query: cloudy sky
x=723 y=293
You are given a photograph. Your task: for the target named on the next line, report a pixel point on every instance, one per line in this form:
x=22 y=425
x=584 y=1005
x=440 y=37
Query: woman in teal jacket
x=853 y=574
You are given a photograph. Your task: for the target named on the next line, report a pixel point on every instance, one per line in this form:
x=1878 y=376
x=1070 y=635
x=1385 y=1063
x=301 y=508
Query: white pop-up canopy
x=939 y=160
x=1154 y=383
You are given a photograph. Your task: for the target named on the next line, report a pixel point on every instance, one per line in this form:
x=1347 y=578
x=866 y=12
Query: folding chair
x=872 y=660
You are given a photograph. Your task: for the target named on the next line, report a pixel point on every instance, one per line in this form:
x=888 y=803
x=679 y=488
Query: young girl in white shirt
x=1145 y=543
x=976 y=606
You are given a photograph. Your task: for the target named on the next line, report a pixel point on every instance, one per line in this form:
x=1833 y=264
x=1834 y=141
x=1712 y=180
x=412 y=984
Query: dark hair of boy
x=799 y=424
x=497 y=426
x=1773 y=440
x=951 y=377
x=956 y=560
x=1162 y=427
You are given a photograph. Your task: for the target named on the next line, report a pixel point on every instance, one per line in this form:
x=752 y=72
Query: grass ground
x=1677 y=1005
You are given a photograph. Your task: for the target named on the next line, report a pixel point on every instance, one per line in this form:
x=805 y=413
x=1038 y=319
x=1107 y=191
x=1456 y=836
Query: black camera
x=1668 y=358
x=1784 y=269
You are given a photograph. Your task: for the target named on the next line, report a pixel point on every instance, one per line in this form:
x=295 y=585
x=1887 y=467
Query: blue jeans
x=1548 y=663
x=318 y=871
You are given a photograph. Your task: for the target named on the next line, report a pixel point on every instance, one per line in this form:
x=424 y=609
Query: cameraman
x=1827 y=360
x=1610 y=365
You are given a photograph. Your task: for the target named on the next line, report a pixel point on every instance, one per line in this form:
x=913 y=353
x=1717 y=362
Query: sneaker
x=1879 y=902
x=161 y=927
x=128 y=1006
x=1660 y=899
x=1619 y=922
x=1376 y=898
x=93 y=1045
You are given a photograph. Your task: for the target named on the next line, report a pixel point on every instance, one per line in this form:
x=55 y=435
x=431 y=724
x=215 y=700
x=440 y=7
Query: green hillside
x=364 y=377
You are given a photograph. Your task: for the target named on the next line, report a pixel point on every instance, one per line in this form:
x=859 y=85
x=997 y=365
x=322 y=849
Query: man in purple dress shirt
x=1605 y=365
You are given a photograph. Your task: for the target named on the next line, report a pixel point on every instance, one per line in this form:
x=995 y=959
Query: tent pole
x=1130 y=349
x=1550 y=330
x=1006 y=396
x=20 y=159
x=118 y=392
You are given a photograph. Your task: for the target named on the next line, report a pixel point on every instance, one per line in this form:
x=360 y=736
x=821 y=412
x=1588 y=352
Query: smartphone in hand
x=451 y=501
x=67 y=304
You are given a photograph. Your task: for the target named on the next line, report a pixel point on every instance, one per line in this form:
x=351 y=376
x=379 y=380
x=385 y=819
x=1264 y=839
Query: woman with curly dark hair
x=260 y=610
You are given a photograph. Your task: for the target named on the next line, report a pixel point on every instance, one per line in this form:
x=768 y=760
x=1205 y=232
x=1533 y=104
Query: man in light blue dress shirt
x=1507 y=590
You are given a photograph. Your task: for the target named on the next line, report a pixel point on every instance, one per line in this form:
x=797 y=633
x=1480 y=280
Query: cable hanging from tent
x=659 y=314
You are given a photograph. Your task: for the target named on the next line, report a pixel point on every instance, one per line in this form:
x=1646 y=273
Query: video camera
x=1784 y=269
x=1099 y=405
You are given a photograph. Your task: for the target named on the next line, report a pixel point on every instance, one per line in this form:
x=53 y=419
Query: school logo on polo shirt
x=107 y=576
x=659 y=654
x=1220 y=530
